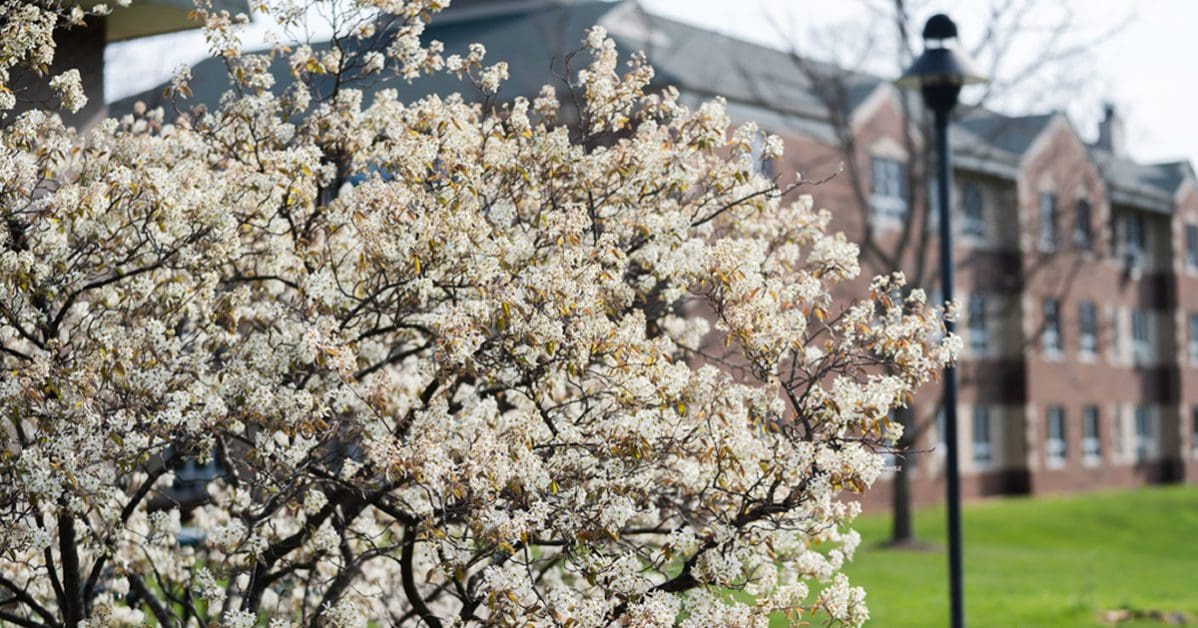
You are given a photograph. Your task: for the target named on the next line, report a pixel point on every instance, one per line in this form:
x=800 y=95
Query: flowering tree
x=464 y=389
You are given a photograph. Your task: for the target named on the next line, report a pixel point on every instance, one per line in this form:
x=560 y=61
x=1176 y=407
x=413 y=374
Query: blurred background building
x=1077 y=266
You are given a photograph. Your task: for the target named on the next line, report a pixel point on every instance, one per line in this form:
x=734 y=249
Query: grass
x=1041 y=562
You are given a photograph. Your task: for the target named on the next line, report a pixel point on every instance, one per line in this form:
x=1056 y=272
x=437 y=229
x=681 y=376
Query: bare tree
x=888 y=42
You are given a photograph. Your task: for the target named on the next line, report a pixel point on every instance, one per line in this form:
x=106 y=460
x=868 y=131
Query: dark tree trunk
x=902 y=529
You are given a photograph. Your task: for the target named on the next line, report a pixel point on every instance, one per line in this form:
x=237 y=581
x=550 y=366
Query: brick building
x=1077 y=267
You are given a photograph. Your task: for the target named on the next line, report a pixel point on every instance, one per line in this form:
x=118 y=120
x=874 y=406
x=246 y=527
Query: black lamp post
x=939 y=73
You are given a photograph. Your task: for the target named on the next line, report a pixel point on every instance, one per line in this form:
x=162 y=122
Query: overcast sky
x=1145 y=60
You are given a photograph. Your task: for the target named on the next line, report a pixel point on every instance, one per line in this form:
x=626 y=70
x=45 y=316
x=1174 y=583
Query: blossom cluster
x=455 y=362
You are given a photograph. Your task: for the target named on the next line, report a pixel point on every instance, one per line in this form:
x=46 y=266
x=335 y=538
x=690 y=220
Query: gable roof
x=780 y=91
x=1147 y=186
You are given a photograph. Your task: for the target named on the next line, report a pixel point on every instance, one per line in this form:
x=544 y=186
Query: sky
x=1140 y=55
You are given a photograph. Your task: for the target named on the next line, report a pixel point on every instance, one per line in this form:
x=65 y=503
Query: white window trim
x=980 y=335
x=1092 y=445
x=986 y=447
x=1052 y=350
x=1088 y=341
x=1190 y=262
x=1144 y=446
x=1056 y=450
x=887 y=207
x=1141 y=348
x=1045 y=241
x=1192 y=341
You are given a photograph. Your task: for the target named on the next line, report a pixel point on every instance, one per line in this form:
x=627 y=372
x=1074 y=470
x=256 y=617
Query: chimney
x=1110 y=131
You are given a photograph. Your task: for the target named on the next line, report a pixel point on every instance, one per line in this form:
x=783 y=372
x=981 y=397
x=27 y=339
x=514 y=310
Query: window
x=1087 y=316
x=1055 y=447
x=1192 y=344
x=974 y=223
x=983 y=450
x=1133 y=239
x=933 y=203
x=889 y=187
x=1091 y=442
x=1192 y=246
x=936 y=299
x=1116 y=337
x=1052 y=326
x=1144 y=445
x=1117 y=433
x=1048 y=221
x=979 y=338
x=764 y=165
x=1083 y=238
x=1141 y=347
x=941 y=429
x=1194 y=430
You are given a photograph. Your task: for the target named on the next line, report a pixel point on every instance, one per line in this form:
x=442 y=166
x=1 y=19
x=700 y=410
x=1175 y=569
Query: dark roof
x=1010 y=134
x=1149 y=186
x=704 y=62
x=781 y=92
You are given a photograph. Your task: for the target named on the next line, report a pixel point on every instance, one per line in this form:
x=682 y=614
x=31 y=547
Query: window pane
x=974 y=223
x=1193 y=339
x=889 y=178
x=1052 y=325
x=1088 y=319
x=1056 y=447
x=1081 y=227
x=1048 y=220
x=978 y=336
x=1194 y=431
x=982 y=449
x=1143 y=442
x=1192 y=246
x=1091 y=443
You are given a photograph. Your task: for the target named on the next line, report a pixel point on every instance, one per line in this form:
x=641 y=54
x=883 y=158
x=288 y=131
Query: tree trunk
x=902 y=530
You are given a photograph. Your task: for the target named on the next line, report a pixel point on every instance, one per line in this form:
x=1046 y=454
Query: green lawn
x=1042 y=562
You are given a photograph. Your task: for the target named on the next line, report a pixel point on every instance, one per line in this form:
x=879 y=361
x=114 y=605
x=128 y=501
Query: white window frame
x=1141 y=337
x=1048 y=221
x=1191 y=244
x=1083 y=228
x=1118 y=435
x=941 y=431
x=1192 y=341
x=973 y=210
x=1134 y=239
x=979 y=332
x=1116 y=335
x=1053 y=343
x=1056 y=446
x=1194 y=431
x=888 y=184
x=1088 y=334
x=1145 y=446
x=1091 y=442
x=762 y=165
x=983 y=448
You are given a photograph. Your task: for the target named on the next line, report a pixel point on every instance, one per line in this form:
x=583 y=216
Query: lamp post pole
x=939 y=74
x=952 y=472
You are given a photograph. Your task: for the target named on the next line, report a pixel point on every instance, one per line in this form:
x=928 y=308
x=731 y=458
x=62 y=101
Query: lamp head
x=942 y=69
